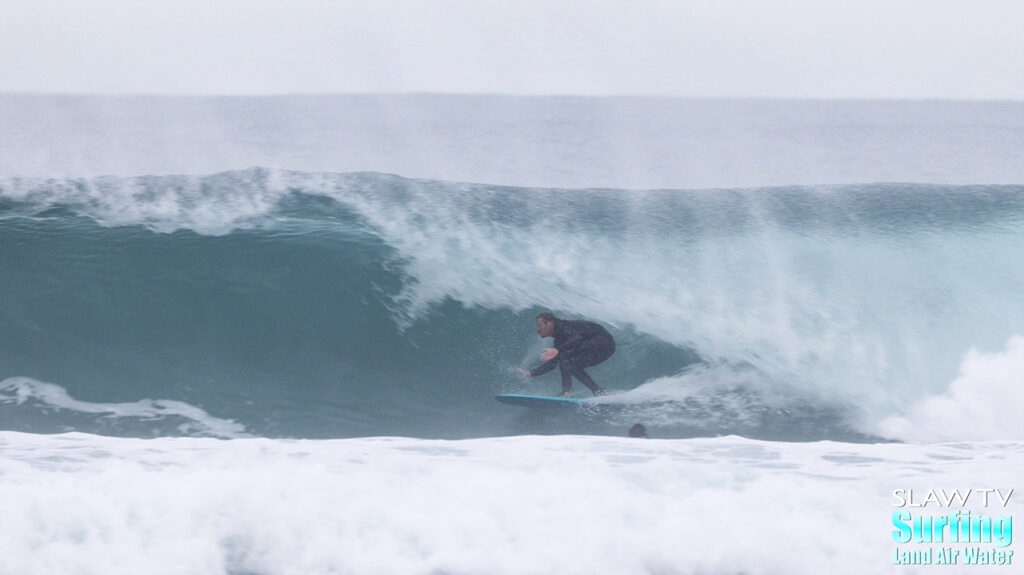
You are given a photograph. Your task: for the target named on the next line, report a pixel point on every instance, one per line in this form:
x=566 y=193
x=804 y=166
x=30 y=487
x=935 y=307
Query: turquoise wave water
x=296 y=304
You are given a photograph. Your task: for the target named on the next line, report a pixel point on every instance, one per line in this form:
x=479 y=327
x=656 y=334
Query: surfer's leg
x=566 y=368
x=598 y=350
x=588 y=381
x=574 y=368
x=592 y=353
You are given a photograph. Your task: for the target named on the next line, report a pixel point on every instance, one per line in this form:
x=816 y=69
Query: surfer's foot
x=598 y=391
x=565 y=394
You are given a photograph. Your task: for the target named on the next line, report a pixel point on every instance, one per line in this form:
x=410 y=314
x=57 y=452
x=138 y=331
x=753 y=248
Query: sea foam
x=566 y=504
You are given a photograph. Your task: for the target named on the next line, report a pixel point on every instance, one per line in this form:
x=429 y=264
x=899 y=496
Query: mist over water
x=565 y=142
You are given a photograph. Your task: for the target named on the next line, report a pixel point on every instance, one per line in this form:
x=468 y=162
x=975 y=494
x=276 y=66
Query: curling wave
x=323 y=305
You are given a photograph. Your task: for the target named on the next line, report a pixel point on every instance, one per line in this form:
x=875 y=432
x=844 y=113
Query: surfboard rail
x=538 y=401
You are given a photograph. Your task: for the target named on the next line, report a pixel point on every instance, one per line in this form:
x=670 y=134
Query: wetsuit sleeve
x=544 y=367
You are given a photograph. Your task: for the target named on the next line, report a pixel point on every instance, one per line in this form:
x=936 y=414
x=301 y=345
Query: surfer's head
x=638 y=430
x=546 y=324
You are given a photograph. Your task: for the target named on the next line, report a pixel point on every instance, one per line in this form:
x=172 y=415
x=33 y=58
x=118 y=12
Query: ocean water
x=263 y=335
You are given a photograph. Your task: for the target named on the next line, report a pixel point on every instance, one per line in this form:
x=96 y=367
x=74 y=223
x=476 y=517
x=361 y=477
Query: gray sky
x=959 y=49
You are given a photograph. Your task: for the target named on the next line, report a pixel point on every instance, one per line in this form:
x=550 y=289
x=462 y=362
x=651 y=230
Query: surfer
x=578 y=345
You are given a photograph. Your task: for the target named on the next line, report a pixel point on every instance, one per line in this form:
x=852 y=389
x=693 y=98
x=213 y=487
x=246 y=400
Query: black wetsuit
x=580 y=344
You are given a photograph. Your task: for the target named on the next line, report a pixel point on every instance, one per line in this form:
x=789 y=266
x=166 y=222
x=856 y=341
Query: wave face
x=316 y=304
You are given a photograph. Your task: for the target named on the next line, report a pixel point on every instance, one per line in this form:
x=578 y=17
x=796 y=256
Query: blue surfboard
x=537 y=401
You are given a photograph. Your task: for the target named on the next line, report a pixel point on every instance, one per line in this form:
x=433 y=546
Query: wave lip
x=212 y=204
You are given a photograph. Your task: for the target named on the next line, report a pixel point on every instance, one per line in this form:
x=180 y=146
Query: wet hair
x=547 y=317
x=638 y=430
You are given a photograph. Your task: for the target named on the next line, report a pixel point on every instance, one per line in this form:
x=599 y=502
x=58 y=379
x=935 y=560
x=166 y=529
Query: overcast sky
x=958 y=49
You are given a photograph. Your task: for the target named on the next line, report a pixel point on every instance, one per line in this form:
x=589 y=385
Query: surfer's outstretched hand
x=523 y=372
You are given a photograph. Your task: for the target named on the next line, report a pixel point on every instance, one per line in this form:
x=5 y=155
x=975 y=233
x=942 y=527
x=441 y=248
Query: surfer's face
x=545 y=328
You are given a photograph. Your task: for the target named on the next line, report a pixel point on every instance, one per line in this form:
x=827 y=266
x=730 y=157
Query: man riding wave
x=578 y=344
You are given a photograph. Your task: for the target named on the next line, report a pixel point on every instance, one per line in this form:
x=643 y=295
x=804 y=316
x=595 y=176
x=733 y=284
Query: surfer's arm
x=544 y=368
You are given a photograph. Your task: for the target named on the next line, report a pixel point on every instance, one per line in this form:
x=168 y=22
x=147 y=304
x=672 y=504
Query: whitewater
x=263 y=335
